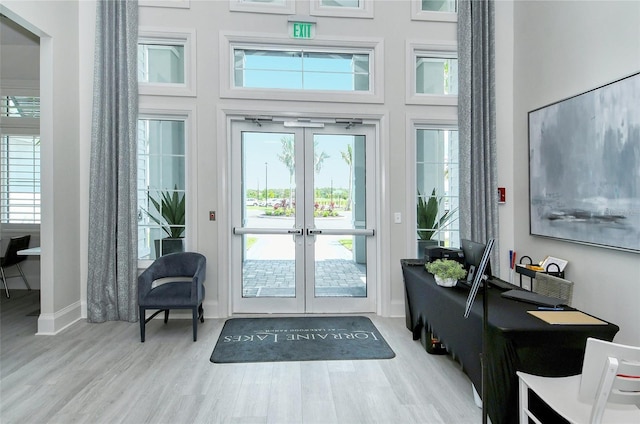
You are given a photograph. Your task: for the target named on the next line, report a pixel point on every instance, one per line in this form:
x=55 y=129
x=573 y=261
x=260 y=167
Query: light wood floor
x=101 y=373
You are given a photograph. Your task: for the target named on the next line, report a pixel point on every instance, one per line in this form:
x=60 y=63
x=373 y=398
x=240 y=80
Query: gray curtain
x=111 y=285
x=476 y=123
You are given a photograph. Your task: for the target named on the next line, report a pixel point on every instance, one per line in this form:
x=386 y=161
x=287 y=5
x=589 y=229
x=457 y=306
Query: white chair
x=607 y=391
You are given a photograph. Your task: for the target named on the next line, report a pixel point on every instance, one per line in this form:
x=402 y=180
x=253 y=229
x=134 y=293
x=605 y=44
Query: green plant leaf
x=171 y=208
x=446 y=268
x=427 y=216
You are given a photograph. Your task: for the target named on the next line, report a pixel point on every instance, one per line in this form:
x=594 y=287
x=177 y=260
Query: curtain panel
x=477 y=123
x=112 y=285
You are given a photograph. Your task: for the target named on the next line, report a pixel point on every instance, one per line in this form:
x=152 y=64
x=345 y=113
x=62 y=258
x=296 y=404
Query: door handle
x=311 y=232
x=295 y=231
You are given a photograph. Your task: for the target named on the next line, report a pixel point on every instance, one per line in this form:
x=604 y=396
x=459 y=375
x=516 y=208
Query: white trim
x=413 y=49
x=52 y=324
x=227 y=112
x=288 y=7
x=229 y=40
x=417 y=14
x=186 y=112
x=185 y=37
x=441 y=120
x=182 y=4
x=364 y=11
x=396 y=309
x=383 y=208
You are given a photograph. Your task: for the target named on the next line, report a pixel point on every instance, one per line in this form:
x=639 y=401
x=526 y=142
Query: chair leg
x=142 y=323
x=201 y=312
x=195 y=324
x=166 y=316
x=4 y=280
x=523 y=400
x=23 y=277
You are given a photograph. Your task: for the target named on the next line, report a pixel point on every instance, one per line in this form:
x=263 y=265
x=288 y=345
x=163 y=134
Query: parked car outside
x=273 y=202
x=251 y=202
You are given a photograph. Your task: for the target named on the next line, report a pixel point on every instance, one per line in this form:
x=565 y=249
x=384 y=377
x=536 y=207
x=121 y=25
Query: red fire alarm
x=502 y=195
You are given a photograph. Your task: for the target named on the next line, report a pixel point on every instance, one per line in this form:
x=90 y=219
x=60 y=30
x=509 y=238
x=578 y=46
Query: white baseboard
x=397 y=309
x=52 y=324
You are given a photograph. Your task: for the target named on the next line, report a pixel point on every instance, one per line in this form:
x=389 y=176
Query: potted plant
x=446 y=271
x=171 y=207
x=427 y=219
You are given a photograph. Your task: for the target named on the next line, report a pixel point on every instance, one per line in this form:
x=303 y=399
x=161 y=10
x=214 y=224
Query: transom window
x=166 y=61
x=432 y=73
x=340 y=3
x=434 y=10
x=439 y=5
x=300 y=69
x=161 y=63
x=343 y=8
x=436 y=74
x=286 y=7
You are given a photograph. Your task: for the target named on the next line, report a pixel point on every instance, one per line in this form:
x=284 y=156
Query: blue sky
x=284 y=70
x=265 y=147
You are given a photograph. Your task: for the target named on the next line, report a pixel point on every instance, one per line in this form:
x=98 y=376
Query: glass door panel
x=336 y=183
x=302 y=242
x=270 y=249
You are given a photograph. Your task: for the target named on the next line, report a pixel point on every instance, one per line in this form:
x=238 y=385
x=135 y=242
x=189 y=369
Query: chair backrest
x=16 y=244
x=179 y=264
x=610 y=373
x=550 y=285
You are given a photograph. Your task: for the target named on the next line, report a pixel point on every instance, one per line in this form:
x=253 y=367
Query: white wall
x=55 y=23
x=562 y=49
x=392 y=23
x=546 y=51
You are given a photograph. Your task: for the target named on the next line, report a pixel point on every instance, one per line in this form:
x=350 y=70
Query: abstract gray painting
x=584 y=167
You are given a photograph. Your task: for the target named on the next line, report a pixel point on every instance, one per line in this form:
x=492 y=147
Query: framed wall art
x=584 y=167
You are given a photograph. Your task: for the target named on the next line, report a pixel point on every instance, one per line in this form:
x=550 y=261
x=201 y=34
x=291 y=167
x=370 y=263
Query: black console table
x=517 y=341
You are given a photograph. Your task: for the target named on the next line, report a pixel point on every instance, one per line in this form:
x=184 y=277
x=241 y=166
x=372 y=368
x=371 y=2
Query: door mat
x=299 y=339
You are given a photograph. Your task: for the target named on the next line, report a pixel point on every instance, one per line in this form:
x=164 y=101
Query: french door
x=303 y=216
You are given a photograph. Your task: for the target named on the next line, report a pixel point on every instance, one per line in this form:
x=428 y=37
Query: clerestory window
x=434 y=10
x=166 y=62
x=301 y=69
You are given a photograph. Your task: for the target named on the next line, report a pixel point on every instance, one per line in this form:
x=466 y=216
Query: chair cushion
x=164 y=280
x=176 y=294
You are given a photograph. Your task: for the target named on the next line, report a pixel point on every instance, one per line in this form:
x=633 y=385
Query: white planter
x=446 y=282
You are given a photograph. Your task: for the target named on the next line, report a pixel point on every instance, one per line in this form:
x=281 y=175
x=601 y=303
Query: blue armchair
x=174 y=281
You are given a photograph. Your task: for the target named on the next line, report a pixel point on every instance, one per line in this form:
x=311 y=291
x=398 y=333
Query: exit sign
x=302 y=30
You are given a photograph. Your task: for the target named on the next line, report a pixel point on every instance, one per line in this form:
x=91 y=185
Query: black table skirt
x=516 y=340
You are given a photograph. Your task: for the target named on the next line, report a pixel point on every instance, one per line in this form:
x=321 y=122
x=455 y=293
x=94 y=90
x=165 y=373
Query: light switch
x=397 y=218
